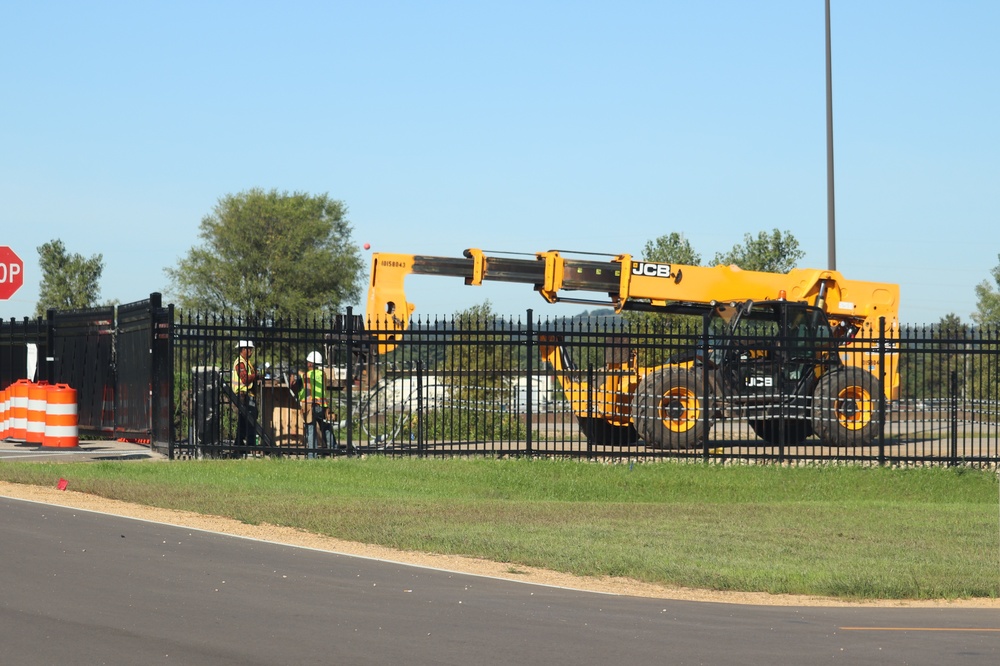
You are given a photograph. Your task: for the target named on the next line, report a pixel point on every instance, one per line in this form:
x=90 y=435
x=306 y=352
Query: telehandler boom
x=795 y=354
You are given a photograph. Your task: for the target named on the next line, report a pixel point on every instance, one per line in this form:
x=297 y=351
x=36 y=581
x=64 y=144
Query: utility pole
x=831 y=224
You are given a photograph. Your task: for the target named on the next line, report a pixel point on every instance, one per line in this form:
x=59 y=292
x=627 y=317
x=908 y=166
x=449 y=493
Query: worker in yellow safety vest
x=312 y=401
x=244 y=383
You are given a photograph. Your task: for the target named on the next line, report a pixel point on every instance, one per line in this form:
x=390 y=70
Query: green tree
x=69 y=281
x=987 y=317
x=478 y=360
x=777 y=252
x=948 y=345
x=988 y=300
x=478 y=365
x=671 y=248
x=651 y=329
x=270 y=252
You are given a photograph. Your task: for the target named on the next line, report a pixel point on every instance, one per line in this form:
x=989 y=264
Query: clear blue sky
x=513 y=125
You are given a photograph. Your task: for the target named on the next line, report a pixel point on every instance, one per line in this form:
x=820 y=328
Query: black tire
x=601 y=433
x=844 y=408
x=668 y=409
x=782 y=432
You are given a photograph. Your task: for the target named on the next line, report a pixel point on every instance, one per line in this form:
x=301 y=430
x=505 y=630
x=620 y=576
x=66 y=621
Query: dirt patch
x=285 y=535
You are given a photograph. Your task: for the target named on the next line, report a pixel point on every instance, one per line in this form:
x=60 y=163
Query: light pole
x=831 y=225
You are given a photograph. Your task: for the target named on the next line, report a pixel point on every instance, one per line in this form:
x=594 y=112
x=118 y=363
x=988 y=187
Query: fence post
x=881 y=397
x=529 y=393
x=420 y=408
x=161 y=407
x=953 y=414
x=705 y=407
x=350 y=379
x=153 y=396
x=590 y=405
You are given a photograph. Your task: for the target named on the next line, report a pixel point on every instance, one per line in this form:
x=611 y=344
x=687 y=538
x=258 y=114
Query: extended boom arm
x=627 y=285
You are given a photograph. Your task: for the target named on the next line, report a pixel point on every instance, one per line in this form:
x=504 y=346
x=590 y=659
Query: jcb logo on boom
x=650 y=269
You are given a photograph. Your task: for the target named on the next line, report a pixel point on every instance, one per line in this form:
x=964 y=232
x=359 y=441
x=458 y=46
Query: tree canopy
x=69 y=281
x=988 y=300
x=671 y=248
x=776 y=252
x=270 y=252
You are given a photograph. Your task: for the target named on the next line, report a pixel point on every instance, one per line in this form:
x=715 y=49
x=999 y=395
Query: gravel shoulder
x=285 y=535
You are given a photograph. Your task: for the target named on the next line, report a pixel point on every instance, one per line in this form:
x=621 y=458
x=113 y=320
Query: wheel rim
x=679 y=409
x=854 y=408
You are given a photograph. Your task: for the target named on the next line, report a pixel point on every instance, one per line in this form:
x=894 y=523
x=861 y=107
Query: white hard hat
x=315 y=357
x=244 y=343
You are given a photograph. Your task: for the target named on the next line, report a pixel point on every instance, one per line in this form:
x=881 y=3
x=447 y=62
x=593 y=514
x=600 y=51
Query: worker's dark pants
x=316 y=427
x=245 y=433
x=312 y=436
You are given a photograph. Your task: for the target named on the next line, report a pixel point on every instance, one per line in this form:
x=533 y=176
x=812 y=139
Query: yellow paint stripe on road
x=989 y=629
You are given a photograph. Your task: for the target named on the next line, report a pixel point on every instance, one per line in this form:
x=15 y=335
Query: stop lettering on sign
x=10 y=273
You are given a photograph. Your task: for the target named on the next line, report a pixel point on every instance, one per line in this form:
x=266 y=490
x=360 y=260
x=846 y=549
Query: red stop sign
x=11 y=272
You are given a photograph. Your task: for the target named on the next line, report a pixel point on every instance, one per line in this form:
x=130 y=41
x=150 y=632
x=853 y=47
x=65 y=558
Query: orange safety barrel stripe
x=3 y=414
x=35 y=429
x=61 y=419
x=19 y=409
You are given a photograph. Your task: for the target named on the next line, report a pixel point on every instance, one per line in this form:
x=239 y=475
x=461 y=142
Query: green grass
x=844 y=531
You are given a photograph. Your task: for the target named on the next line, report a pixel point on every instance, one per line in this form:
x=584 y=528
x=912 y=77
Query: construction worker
x=312 y=401
x=244 y=383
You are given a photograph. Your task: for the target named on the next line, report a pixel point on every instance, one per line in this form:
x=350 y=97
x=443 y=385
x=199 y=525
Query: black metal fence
x=520 y=386
x=22 y=343
x=117 y=359
x=524 y=387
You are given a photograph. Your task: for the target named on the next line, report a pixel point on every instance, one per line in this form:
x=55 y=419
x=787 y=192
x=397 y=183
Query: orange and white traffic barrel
x=61 y=420
x=3 y=414
x=18 y=409
x=35 y=428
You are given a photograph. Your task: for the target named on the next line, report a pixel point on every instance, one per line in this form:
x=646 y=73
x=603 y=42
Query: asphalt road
x=86 y=588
